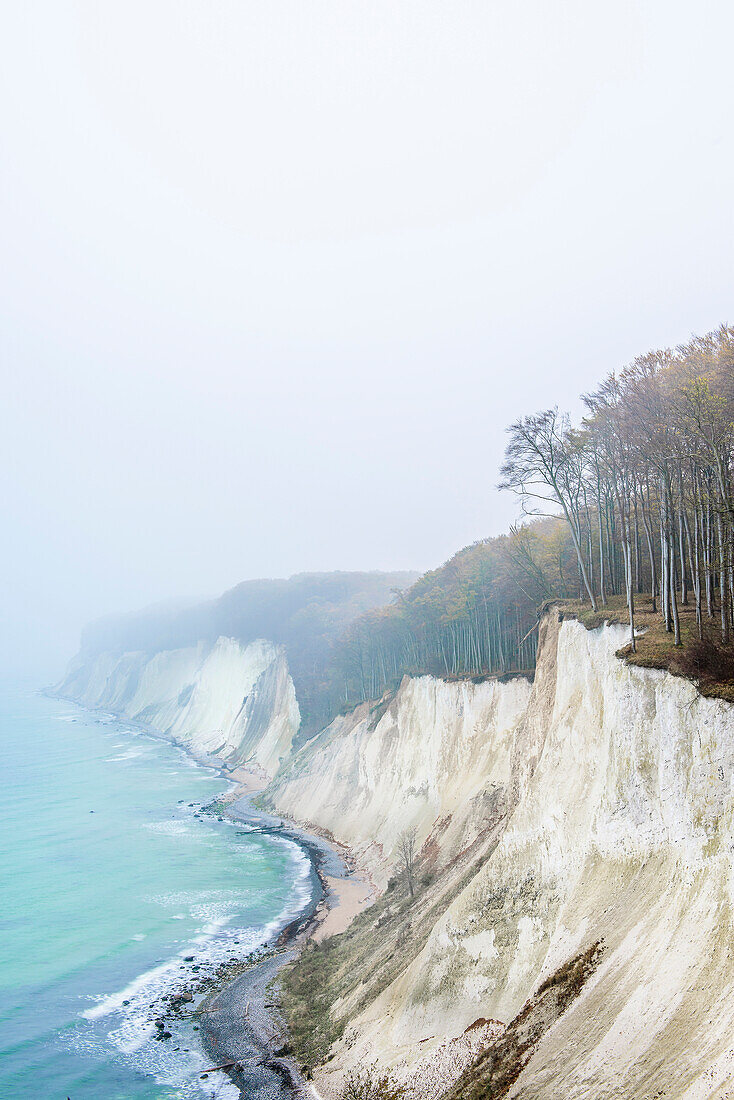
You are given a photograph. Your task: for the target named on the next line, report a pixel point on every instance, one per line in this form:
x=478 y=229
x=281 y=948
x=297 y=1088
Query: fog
x=276 y=275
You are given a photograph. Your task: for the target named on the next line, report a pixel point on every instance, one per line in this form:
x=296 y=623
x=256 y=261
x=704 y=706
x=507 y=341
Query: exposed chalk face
x=609 y=793
x=620 y=828
x=439 y=753
x=233 y=701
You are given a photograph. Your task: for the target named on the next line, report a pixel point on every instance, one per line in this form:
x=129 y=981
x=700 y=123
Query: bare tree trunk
x=665 y=559
x=708 y=560
x=682 y=558
x=638 y=572
x=407 y=857
x=651 y=554
x=582 y=568
x=610 y=547
x=602 y=582
x=628 y=578
x=693 y=559
x=723 y=587
x=673 y=595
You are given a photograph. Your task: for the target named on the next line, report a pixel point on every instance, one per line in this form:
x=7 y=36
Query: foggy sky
x=276 y=274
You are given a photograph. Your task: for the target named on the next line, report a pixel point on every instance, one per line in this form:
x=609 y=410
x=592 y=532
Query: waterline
x=115 y=880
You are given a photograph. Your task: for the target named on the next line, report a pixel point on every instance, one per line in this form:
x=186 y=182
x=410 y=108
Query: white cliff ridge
x=229 y=700
x=438 y=752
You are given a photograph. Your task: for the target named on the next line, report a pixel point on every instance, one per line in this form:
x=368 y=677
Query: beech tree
x=654 y=454
x=636 y=499
x=543 y=462
x=611 y=438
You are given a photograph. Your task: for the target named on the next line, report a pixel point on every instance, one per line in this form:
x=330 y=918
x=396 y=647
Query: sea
x=113 y=885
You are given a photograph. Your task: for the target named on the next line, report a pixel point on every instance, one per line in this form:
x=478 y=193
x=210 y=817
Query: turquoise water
x=108 y=881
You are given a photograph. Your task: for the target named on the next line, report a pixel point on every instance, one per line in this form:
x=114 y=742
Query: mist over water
x=109 y=882
x=277 y=276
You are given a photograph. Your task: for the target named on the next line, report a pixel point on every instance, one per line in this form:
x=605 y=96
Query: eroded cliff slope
x=571 y=929
x=435 y=757
x=611 y=837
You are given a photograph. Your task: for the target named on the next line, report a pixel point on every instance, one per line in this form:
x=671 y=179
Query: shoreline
x=346 y=888
x=229 y=1031
x=341 y=891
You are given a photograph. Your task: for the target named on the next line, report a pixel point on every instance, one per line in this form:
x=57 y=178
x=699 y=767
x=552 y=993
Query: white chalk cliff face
x=618 y=794
x=437 y=755
x=594 y=806
x=228 y=700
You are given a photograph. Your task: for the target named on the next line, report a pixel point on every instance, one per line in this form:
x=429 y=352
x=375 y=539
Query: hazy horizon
x=277 y=277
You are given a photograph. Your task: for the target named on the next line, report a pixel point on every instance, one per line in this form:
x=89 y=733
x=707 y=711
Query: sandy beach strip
x=249 y=781
x=346 y=898
x=347 y=889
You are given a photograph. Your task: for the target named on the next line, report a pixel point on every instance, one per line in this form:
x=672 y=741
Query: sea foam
x=133 y=1009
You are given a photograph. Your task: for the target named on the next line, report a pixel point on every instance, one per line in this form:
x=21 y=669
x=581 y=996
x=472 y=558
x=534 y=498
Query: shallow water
x=109 y=881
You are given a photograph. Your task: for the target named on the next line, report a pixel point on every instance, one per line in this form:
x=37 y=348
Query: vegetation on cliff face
x=370 y=1084
x=352 y=969
x=496 y=1069
x=367 y=957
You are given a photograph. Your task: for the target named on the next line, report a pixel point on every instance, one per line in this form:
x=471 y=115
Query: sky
x=277 y=274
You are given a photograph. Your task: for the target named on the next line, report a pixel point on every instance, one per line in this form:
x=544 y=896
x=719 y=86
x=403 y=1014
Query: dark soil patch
x=498 y=1067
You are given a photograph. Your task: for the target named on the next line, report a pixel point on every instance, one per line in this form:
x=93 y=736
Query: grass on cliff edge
x=370 y=954
x=708 y=663
x=331 y=982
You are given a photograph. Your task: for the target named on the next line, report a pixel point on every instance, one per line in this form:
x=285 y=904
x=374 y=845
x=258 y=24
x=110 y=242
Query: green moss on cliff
x=332 y=982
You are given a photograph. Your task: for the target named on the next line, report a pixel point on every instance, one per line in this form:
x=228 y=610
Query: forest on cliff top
x=638 y=503
x=629 y=513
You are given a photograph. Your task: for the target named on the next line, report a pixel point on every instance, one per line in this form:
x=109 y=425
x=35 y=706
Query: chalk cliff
x=588 y=814
x=233 y=701
x=434 y=756
x=613 y=824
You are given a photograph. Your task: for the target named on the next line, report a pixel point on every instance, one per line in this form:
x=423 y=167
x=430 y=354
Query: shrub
x=705 y=660
x=370 y=1084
